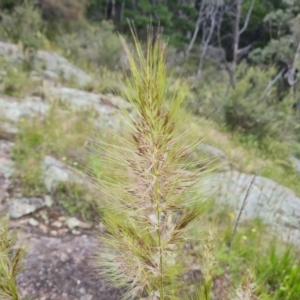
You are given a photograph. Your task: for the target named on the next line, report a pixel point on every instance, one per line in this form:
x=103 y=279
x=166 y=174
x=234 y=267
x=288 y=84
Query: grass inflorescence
x=149 y=199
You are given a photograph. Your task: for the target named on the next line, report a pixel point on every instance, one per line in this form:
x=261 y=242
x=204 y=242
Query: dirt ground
x=60 y=267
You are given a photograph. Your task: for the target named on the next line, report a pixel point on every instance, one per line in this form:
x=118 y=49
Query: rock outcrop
x=51 y=64
x=273 y=203
x=56 y=172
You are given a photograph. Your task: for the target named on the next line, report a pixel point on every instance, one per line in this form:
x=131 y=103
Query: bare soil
x=61 y=267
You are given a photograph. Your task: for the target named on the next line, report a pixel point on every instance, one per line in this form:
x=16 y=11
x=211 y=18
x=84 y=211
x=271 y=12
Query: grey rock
x=6 y=147
x=33 y=222
x=50 y=75
x=212 y=151
x=57 y=224
x=56 y=172
x=13 y=110
x=7 y=166
x=81 y=99
x=86 y=297
x=48 y=61
x=24 y=206
x=7 y=130
x=84 y=225
x=10 y=51
x=35 y=77
x=48 y=200
x=206 y=154
x=108 y=107
x=3 y=73
x=274 y=204
x=7 y=169
x=62 y=67
x=73 y=222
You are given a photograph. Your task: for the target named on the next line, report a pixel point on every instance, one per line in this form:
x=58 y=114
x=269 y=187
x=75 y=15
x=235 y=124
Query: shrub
x=74 y=199
x=93 y=45
x=251 y=109
x=208 y=96
x=62 y=10
x=17 y=83
x=24 y=25
x=9 y=4
x=108 y=81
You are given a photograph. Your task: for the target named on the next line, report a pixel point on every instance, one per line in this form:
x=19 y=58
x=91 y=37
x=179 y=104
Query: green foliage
x=269 y=20
x=275 y=266
x=93 y=45
x=28 y=155
x=9 y=4
x=10 y=262
x=252 y=109
x=62 y=16
x=16 y=82
x=24 y=24
x=38 y=138
x=283 y=30
x=280 y=273
x=74 y=200
x=208 y=97
x=145 y=12
x=109 y=81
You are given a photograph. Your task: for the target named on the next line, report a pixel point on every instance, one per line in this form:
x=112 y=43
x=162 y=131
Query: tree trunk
x=236 y=41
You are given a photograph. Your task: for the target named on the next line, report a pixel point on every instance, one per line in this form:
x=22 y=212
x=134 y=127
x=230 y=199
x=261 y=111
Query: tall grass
x=10 y=263
x=149 y=200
